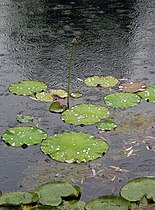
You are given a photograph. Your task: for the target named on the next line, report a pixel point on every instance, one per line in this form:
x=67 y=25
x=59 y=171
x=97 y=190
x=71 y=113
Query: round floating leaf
x=52 y=193
x=122 y=100
x=24 y=136
x=72 y=205
x=74 y=147
x=18 y=198
x=132 y=87
x=43 y=96
x=27 y=87
x=137 y=188
x=85 y=114
x=57 y=107
x=76 y=94
x=24 y=118
x=107 y=125
x=59 y=92
x=104 y=82
x=148 y=94
x=108 y=203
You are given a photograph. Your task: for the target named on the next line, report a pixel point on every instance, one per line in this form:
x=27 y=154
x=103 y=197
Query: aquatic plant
x=132 y=87
x=148 y=94
x=106 y=125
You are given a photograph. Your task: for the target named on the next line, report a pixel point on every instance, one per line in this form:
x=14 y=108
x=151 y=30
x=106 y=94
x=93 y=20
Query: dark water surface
x=115 y=37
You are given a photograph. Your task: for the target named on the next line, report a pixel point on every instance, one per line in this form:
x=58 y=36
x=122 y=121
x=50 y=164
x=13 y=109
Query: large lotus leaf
x=24 y=135
x=122 y=100
x=52 y=193
x=24 y=118
x=132 y=87
x=148 y=94
x=101 y=81
x=27 y=87
x=74 y=147
x=59 y=92
x=108 y=203
x=72 y=205
x=107 y=125
x=85 y=114
x=137 y=188
x=43 y=96
x=18 y=198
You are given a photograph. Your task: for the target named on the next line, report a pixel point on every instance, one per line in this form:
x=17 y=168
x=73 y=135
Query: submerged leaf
x=148 y=94
x=24 y=118
x=57 y=107
x=85 y=114
x=107 y=125
x=132 y=87
x=74 y=147
x=76 y=94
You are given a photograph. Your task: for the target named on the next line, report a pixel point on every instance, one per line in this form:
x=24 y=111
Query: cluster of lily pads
x=136 y=194
x=74 y=146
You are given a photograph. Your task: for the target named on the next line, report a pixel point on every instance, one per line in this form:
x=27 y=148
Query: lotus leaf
x=108 y=203
x=85 y=114
x=23 y=135
x=59 y=92
x=57 y=107
x=148 y=94
x=137 y=188
x=24 y=118
x=74 y=147
x=132 y=87
x=52 y=193
x=18 y=198
x=104 y=82
x=43 y=96
x=107 y=125
x=27 y=87
x=76 y=94
x=122 y=100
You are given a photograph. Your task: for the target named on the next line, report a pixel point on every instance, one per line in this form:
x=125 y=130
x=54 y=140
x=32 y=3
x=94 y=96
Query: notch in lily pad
x=132 y=87
x=107 y=125
x=27 y=87
x=148 y=94
x=74 y=147
x=57 y=107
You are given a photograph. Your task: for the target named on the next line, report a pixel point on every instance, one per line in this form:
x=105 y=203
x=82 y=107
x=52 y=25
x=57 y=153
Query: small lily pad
x=27 y=87
x=18 y=198
x=72 y=205
x=104 y=82
x=148 y=94
x=76 y=94
x=122 y=100
x=74 y=147
x=43 y=96
x=107 y=125
x=85 y=114
x=24 y=118
x=137 y=188
x=24 y=135
x=53 y=193
x=57 y=107
x=108 y=203
x=61 y=93
x=132 y=87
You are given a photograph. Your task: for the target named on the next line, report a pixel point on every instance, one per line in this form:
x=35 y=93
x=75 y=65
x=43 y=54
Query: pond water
x=115 y=37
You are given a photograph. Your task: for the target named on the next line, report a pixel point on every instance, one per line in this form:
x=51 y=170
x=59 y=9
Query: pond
x=115 y=37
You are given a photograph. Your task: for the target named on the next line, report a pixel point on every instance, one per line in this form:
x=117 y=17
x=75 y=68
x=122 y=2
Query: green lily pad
x=57 y=107
x=43 y=96
x=59 y=92
x=122 y=100
x=27 y=87
x=148 y=94
x=132 y=87
x=137 y=188
x=108 y=203
x=107 y=125
x=45 y=208
x=24 y=118
x=85 y=114
x=24 y=135
x=76 y=94
x=10 y=208
x=53 y=193
x=104 y=82
x=18 y=198
x=72 y=205
x=74 y=147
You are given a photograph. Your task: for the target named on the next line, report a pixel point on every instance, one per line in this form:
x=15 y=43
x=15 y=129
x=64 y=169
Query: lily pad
x=104 y=82
x=74 y=147
x=57 y=107
x=137 y=188
x=18 y=198
x=61 y=93
x=53 y=193
x=76 y=94
x=85 y=114
x=108 y=203
x=43 y=96
x=107 y=125
x=27 y=87
x=24 y=135
x=148 y=94
x=72 y=205
x=122 y=100
x=24 y=118
x=132 y=87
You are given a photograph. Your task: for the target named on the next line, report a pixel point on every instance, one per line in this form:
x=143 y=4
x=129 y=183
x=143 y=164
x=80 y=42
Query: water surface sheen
x=115 y=37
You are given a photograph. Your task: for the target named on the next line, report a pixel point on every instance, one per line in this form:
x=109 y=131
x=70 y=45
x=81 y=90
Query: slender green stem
x=70 y=69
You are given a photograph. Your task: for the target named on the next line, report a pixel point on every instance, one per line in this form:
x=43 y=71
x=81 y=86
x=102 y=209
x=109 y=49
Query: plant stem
x=70 y=69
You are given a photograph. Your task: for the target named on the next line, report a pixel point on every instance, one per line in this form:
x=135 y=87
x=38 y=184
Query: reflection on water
x=115 y=37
